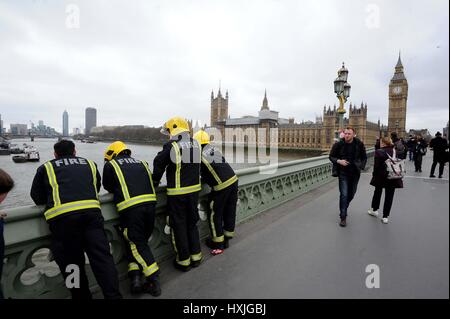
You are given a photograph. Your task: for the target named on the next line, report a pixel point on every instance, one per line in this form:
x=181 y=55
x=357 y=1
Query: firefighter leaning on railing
x=130 y=180
x=222 y=199
x=68 y=186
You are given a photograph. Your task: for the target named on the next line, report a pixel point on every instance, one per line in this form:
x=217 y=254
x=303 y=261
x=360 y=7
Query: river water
x=23 y=173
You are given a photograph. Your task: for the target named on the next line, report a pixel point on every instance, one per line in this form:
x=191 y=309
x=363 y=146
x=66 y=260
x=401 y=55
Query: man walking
x=350 y=156
x=439 y=147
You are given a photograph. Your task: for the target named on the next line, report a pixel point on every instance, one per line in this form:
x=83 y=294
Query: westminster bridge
x=288 y=243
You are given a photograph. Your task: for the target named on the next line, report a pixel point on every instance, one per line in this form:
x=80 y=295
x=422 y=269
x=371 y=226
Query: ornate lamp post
x=342 y=90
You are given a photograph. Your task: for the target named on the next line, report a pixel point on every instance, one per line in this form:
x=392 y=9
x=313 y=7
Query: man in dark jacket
x=439 y=147
x=350 y=155
x=411 y=144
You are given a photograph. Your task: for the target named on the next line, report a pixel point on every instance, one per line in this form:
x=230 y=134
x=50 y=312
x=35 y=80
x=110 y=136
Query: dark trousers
x=80 y=232
x=418 y=161
x=137 y=226
x=222 y=213
x=388 y=199
x=2 y=255
x=441 y=167
x=347 y=189
x=183 y=218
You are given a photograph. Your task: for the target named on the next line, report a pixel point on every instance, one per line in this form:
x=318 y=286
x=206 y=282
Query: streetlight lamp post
x=342 y=90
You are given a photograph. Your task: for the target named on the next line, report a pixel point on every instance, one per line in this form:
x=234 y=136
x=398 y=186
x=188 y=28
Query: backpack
x=422 y=150
x=399 y=148
x=395 y=167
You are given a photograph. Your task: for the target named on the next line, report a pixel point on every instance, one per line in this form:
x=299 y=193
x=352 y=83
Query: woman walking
x=380 y=180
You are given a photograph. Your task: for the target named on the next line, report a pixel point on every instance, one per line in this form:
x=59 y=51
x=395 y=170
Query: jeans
x=347 y=189
x=411 y=155
x=2 y=254
x=388 y=199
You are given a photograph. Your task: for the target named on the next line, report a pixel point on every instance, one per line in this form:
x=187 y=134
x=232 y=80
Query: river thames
x=23 y=173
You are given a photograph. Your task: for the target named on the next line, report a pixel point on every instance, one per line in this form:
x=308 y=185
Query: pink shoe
x=216 y=252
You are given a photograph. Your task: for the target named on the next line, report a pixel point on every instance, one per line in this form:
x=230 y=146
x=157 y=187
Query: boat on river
x=30 y=154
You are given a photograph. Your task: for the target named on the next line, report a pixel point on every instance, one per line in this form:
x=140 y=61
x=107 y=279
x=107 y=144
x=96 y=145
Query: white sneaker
x=384 y=220
x=372 y=213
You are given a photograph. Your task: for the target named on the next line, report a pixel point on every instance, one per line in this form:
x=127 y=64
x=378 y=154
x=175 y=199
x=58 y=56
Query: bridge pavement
x=297 y=250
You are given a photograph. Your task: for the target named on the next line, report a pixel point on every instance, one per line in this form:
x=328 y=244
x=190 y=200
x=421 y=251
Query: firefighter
x=221 y=212
x=130 y=181
x=68 y=186
x=180 y=159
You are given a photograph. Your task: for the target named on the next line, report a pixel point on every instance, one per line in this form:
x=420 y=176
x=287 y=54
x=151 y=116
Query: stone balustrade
x=30 y=272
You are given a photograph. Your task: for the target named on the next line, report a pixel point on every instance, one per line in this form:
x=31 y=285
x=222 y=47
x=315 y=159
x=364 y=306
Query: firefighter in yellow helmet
x=180 y=159
x=130 y=180
x=218 y=174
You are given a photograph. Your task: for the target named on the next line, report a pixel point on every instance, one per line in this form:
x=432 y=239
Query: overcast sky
x=142 y=62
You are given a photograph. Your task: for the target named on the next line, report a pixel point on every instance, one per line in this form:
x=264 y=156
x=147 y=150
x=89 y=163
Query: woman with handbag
x=380 y=180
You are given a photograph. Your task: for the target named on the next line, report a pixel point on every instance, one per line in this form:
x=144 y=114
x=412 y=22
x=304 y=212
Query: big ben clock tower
x=398 y=95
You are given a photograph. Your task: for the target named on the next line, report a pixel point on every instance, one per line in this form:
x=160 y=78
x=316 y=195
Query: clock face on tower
x=397 y=89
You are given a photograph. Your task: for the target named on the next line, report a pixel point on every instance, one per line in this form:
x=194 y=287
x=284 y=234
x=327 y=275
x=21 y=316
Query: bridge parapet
x=30 y=272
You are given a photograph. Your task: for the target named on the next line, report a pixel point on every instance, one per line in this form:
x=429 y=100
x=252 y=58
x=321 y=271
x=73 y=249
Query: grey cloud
x=142 y=62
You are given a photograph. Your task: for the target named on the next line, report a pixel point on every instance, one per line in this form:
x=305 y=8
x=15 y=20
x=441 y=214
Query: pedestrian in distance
x=350 y=156
x=420 y=149
x=381 y=181
x=130 y=180
x=68 y=186
x=411 y=145
x=6 y=185
x=399 y=145
x=439 y=146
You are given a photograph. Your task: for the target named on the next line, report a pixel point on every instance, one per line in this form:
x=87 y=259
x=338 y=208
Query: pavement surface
x=297 y=250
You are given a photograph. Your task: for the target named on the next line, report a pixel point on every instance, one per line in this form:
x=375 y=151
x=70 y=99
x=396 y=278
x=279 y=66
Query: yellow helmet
x=202 y=137
x=175 y=126
x=115 y=149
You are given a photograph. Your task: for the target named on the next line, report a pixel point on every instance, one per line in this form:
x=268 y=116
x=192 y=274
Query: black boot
x=152 y=286
x=181 y=267
x=226 y=243
x=196 y=263
x=213 y=245
x=135 y=282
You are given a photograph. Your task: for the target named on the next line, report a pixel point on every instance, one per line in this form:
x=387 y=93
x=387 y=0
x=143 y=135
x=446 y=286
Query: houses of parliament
x=319 y=134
